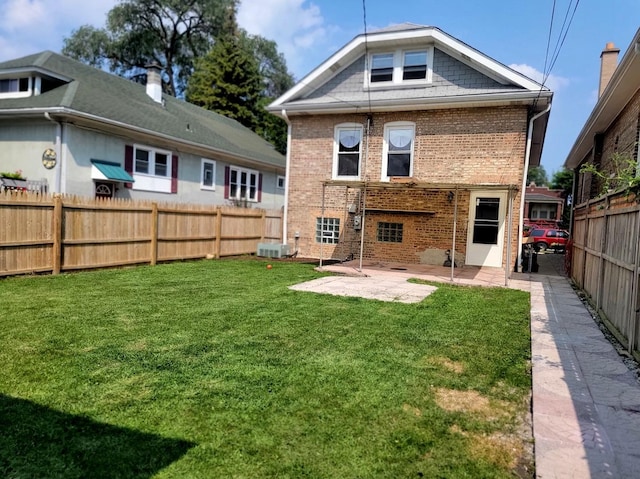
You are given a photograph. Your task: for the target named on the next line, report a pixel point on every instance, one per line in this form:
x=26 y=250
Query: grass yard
x=215 y=369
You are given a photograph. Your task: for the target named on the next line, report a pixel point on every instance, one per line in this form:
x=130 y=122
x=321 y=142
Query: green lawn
x=215 y=369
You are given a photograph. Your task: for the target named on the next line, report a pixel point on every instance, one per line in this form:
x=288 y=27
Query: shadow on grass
x=39 y=442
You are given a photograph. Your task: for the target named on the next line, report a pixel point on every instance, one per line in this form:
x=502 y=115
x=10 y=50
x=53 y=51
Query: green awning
x=112 y=171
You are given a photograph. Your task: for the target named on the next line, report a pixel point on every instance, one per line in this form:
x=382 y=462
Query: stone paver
x=586 y=402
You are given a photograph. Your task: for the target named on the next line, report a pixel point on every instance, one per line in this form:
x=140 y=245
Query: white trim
x=280 y=178
x=398 y=69
x=212 y=186
x=17 y=94
x=396 y=125
x=150 y=181
x=336 y=146
x=239 y=172
x=427 y=35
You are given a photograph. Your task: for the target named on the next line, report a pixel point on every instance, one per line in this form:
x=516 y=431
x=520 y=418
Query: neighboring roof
x=540 y=198
x=112 y=171
x=620 y=89
x=98 y=96
x=516 y=87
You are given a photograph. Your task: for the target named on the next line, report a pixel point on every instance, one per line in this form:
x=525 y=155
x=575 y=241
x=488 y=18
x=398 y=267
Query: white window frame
x=238 y=184
x=398 y=69
x=18 y=93
x=212 y=186
x=151 y=181
x=388 y=127
x=281 y=182
x=336 y=150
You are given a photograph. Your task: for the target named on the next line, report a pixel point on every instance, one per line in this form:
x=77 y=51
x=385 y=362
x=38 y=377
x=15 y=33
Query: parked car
x=552 y=238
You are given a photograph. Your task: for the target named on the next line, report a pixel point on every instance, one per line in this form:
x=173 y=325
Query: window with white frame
x=15 y=87
x=327 y=230
x=400 y=67
x=208 y=174
x=398 y=149
x=347 y=151
x=243 y=184
x=149 y=161
x=280 y=182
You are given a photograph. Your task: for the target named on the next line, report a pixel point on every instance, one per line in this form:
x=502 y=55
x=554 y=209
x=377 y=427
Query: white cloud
x=296 y=26
x=554 y=82
x=30 y=26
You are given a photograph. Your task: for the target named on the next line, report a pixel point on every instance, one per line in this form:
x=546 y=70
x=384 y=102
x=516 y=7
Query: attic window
x=15 y=87
x=400 y=68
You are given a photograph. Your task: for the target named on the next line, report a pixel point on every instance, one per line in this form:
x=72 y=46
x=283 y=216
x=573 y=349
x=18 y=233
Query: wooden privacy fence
x=606 y=262
x=54 y=233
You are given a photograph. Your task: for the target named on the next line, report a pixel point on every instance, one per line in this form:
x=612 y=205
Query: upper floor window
x=347 y=151
x=401 y=67
x=208 y=175
x=398 y=149
x=15 y=87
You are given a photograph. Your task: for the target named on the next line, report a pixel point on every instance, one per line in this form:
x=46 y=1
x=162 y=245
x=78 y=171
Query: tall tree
x=563 y=180
x=138 y=32
x=537 y=175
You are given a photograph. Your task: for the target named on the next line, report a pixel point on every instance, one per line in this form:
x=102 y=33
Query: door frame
x=493 y=254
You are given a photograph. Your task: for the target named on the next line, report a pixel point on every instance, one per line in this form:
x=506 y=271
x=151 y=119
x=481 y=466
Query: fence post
x=264 y=225
x=57 y=235
x=154 y=233
x=218 y=233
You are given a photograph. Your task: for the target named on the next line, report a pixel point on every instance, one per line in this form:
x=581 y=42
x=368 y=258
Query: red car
x=543 y=238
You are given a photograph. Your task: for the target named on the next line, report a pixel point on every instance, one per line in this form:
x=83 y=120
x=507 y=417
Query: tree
x=563 y=180
x=139 y=32
x=226 y=80
x=537 y=175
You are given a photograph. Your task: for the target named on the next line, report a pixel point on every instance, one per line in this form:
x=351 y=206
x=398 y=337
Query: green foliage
x=16 y=175
x=563 y=180
x=226 y=80
x=138 y=32
x=537 y=175
x=622 y=174
x=223 y=371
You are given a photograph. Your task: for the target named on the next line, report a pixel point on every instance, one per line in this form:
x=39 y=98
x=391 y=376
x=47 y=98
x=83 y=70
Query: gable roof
x=116 y=104
x=619 y=91
x=517 y=87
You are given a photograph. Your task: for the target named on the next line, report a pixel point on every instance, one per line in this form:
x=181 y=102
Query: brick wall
x=462 y=146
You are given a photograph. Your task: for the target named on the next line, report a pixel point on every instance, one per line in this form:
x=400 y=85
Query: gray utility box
x=273 y=250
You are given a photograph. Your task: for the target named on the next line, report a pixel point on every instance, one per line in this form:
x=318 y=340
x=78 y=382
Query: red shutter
x=128 y=162
x=174 y=174
x=259 y=187
x=227 y=176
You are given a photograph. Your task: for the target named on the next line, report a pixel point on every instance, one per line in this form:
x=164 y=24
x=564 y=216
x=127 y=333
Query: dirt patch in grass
x=450 y=365
x=453 y=400
x=412 y=410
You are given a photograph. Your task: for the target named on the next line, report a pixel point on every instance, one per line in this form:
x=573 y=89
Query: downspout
x=285 y=213
x=58 y=176
x=527 y=157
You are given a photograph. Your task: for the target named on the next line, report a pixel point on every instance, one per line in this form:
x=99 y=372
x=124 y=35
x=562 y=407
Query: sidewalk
x=586 y=402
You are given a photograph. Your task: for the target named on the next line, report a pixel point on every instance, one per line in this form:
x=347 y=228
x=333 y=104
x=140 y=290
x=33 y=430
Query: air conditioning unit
x=273 y=250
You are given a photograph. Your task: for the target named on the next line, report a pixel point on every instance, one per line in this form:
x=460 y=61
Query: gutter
x=285 y=214
x=58 y=150
x=128 y=127
x=527 y=158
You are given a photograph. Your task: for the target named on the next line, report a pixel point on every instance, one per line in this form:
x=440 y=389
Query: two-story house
x=71 y=128
x=406 y=143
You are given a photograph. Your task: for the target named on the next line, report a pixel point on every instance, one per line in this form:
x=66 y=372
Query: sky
x=515 y=33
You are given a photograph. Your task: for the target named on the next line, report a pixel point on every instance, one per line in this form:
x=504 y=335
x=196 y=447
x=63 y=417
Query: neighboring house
x=79 y=130
x=407 y=143
x=612 y=130
x=542 y=206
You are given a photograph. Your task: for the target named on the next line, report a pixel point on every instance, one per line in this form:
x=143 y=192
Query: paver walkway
x=586 y=401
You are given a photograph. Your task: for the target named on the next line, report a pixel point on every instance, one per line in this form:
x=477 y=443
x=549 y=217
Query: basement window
x=390 y=232
x=327 y=230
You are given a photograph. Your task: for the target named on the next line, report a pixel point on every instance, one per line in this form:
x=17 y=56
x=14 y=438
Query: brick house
x=543 y=206
x=407 y=143
x=613 y=128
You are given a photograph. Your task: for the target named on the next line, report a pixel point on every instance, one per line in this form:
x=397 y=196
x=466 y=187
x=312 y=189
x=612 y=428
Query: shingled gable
x=90 y=96
x=501 y=85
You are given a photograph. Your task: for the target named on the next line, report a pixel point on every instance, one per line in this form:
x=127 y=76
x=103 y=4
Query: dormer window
x=15 y=87
x=399 y=68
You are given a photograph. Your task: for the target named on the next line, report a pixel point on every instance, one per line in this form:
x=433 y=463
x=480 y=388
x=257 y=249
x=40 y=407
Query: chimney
x=154 y=82
x=608 y=64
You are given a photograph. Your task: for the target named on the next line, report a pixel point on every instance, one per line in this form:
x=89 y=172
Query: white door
x=485 y=235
